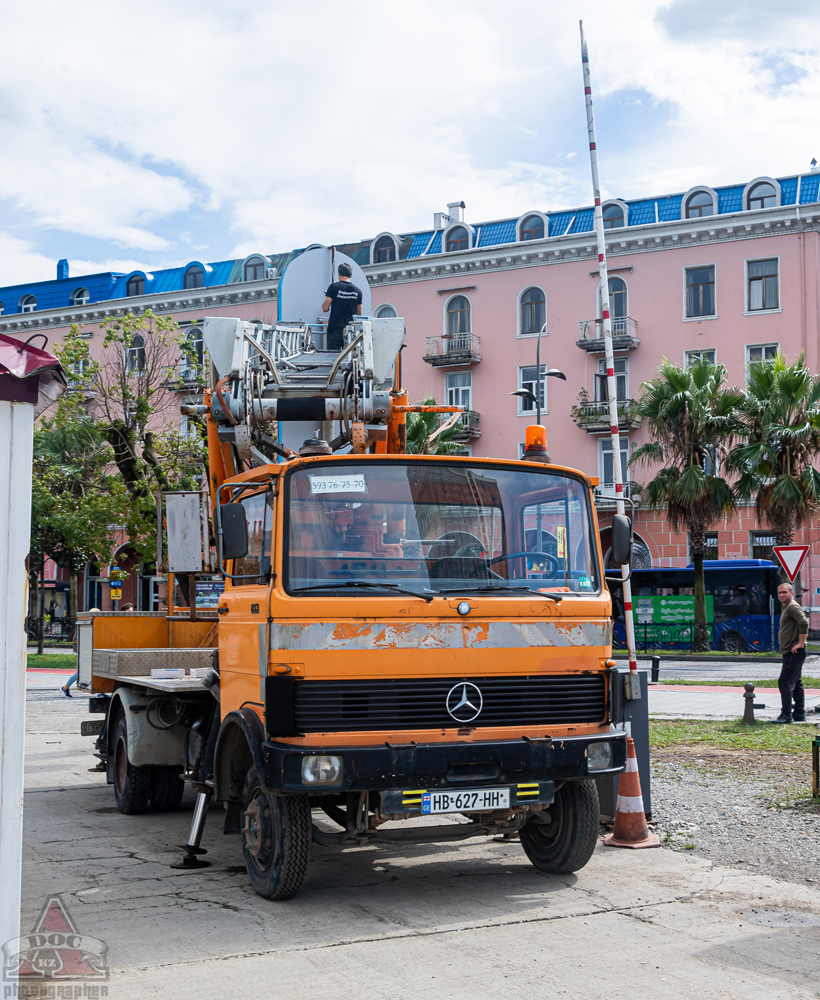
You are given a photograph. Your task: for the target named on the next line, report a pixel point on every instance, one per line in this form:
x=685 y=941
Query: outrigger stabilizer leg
x=192 y=848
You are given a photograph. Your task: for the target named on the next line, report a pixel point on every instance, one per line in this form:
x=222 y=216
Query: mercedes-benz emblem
x=464 y=701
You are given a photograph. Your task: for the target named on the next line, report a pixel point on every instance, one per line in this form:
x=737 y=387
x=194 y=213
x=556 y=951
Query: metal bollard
x=656 y=668
x=750 y=705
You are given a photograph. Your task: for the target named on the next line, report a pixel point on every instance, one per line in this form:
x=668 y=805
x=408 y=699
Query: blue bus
x=742 y=610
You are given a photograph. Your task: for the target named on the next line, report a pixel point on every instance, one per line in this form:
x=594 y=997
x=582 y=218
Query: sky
x=150 y=135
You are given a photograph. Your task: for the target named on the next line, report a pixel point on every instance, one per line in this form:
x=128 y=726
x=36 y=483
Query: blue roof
x=418 y=244
x=730 y=199
x=497 y=232
x=788 y=191
x=669 y=207
x=583 y=221
x=808 y=188
x=641 y=212
x=435 y=246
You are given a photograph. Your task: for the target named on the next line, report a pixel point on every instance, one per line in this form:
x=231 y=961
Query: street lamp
x=554 y=372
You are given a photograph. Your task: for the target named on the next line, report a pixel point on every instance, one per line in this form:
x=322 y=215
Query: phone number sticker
x=338 y=484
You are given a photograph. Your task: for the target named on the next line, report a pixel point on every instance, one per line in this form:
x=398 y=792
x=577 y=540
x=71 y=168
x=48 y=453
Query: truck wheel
x=561 y=839
x=131 y=784
x=276 y=838
x=166 y=788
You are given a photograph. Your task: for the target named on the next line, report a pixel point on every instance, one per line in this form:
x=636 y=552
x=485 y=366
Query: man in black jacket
x=794 y=630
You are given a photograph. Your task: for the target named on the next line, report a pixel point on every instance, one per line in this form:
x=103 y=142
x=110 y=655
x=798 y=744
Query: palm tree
x=781 y=413
x=424 y=437
x=691 y=417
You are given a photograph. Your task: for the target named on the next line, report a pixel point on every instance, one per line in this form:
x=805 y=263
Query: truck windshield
x=437 y=527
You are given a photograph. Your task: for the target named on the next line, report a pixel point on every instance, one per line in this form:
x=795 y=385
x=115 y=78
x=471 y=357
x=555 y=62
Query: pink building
x=730 y=273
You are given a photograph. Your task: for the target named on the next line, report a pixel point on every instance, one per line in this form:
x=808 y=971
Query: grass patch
x=665 y=733
x=684 y=654
x=54 y=661
x=771 y=682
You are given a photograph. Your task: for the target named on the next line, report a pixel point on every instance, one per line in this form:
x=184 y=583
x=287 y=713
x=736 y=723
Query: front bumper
x=443 y=765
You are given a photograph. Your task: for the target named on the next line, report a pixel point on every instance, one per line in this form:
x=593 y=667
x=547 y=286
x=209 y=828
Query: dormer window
x=135 y=285
x=532 y=228
x=28 y=304
x=613 y=217
x=762 y=195
x=194 y=278
x=457 y=239
x=2 y=308
x=255 y=269
x=80 y=297
x=699 y=204
x=384 y=250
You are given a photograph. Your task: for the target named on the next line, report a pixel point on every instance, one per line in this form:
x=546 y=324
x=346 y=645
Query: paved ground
x=441 y=921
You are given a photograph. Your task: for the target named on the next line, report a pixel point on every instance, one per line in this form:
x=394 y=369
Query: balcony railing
x=591 y=334
x=594 y=417
x=452 y=349
x=468 y=427
x=185 y=377
x=605 y=495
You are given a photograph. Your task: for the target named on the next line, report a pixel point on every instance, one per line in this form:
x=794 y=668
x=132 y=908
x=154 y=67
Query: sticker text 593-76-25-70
x=338 y=484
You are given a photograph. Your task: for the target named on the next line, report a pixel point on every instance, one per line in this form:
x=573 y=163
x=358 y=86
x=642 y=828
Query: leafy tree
x=424 y=436
x=775 y=464
x=691 y=418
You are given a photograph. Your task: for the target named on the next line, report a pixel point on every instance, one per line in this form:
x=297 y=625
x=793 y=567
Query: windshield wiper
x=481 y=590
x=427 y=596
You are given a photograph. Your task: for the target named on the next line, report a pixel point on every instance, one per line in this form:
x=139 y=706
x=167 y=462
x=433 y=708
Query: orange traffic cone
x=630 y=819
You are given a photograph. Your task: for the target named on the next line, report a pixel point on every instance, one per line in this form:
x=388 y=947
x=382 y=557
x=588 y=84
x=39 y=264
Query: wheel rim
x=550 y=833
x=258 y=830
x=121 y=767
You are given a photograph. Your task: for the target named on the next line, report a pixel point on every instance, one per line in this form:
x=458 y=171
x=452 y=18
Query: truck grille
x=346 y=706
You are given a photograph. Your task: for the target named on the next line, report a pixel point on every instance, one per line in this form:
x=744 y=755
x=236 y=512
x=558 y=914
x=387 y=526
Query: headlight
x=322 y=770
x=599 y=756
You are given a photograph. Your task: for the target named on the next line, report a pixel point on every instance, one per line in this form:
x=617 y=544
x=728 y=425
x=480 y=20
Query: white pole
x=16 y=435
x=612 y=389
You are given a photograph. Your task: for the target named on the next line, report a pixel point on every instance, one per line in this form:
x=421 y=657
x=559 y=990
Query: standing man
x=794 y=630
x=344 y=300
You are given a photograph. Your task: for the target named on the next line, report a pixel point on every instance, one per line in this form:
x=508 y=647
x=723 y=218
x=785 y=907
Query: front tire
x=561 y=839
x=131 y=784
x=276 y=839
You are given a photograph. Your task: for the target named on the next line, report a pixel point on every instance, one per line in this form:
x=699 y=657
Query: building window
x=28 y=304
x=135 y=355
x=690 y=357
x=532 y=228
x=80 y=297
x=761 y=287
x=760 y=545
x=458 y=239
x=606 y=465
x=533 y=311
x=193 y=350
x=194 y=278
x=700 y=291
x=458 y=315
x=2 y=308
x=527 y=379
x=621 y=366
x=710 y=545
x=384 y=250
x=254 y=269
x=762 y=195
x=613 y=217
x=699 y=205
x=458 y=388
x=385 y=312
x=135 y=285
x=760 y=352
x=618 y=308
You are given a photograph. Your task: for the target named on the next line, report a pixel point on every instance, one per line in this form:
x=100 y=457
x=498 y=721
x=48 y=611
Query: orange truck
x=405 y=647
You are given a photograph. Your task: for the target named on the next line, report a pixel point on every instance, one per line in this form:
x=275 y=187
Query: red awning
x=20 y=361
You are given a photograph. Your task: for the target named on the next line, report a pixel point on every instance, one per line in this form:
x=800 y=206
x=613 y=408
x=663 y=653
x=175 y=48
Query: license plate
x=465 y=800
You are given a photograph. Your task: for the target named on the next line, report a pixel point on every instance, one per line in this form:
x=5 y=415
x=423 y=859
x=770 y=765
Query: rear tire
x=732 y=642
x=131 y=784
x=561 y=839
x=166 y=788
x=276 y=838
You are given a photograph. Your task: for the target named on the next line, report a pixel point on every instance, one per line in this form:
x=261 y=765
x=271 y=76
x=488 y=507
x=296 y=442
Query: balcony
x=594 y=417
x=470 y=426
x=591 y=335
x=452 y=349
x=605 y=496
x=184 y=377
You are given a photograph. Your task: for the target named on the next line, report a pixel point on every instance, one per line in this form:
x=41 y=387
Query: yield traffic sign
x=791 y=558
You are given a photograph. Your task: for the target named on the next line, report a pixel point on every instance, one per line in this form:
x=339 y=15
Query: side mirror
x=234 y=530
x=621 y=540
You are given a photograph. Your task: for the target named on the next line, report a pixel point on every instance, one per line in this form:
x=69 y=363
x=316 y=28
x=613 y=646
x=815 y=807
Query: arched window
x=194 y=277
x=135 y=286
x=618 y=305
x=135 y=354
x=613 y=217
x=28 y=304
x=532 y=228
x=699 y=205
x=458 y=239
x=384 y=250
x=193 y=350
x=80 y=297
x=385 y=312
x=533 y=311
x=254 y=269
x=458 y=315
x=2 y=308
x=762 y=195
